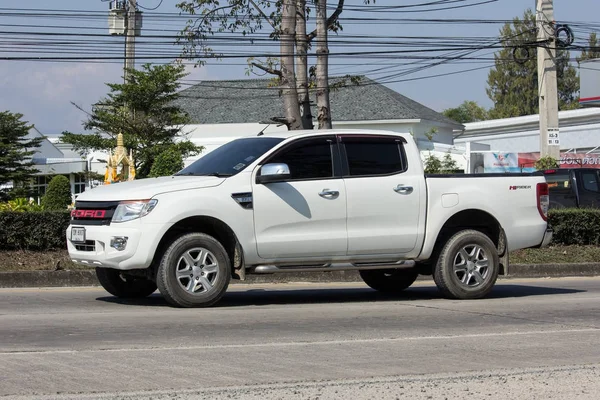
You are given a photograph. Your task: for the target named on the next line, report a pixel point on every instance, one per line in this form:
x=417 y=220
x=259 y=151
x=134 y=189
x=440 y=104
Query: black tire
x=389 y=280
x=120 y=284
x=173 y=261
x=462 y=248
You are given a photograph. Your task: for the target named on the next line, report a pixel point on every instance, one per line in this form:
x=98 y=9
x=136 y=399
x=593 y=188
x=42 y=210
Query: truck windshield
x=231 y=158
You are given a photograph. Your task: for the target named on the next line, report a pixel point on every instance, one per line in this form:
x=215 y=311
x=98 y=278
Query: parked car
x=302 y=201
x=573 y=187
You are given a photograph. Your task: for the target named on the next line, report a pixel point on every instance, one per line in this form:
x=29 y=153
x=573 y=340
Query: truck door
x=384 y=195
x=305 y=216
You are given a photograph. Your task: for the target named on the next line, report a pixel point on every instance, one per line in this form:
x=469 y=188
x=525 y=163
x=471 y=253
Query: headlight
x=128 y=210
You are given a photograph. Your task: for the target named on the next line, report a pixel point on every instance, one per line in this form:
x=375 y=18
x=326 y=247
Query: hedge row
x=41 y=230
x=45 y=230
x=577 y=226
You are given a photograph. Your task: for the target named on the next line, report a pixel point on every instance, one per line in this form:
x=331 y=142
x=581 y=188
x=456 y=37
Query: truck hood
x=148 y=187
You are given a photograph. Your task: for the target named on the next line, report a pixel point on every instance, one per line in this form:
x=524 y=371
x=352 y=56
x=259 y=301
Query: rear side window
x=374 y=156
x=559 y=182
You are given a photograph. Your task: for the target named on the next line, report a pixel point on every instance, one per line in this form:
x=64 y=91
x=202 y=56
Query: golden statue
x=120 y=166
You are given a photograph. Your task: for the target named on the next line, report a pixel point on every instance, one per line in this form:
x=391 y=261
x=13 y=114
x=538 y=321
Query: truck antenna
x=263 y=130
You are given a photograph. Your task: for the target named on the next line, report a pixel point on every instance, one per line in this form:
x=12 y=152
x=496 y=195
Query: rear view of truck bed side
x=509 y=209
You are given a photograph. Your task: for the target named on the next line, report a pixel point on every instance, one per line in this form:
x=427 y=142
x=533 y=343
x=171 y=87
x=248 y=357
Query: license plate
x=78 y=235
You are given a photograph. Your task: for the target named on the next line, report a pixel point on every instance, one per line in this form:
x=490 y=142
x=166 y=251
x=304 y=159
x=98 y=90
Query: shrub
x=167 y=163
x=575 y=226
x=434 y=165
x=20 y=205
x=41 y=231
x=58 y=195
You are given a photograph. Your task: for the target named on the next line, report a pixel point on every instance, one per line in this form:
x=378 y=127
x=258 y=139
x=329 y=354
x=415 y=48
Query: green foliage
x=592 y=50
x=40 y=231
x=144 y=109
x=431 y=133
x=512 y=86
x=434 y=165
x=449 y=166
x=167 y=163
x=468 y=111
x=20 y=205
x=547 y=162
x=579 y=226
x=16 y=150
x=58 y=195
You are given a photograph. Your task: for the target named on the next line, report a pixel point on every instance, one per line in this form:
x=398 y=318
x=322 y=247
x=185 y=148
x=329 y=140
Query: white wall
x=579 y=129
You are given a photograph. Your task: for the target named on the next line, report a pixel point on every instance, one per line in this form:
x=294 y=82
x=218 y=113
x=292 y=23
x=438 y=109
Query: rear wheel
x=389 y=280
x=468 y=266
x=194 y=271
x=120 y=284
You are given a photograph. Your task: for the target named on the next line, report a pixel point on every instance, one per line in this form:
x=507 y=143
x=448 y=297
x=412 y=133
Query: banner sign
x=501 y=162
x=567 y=160
x=525 y=162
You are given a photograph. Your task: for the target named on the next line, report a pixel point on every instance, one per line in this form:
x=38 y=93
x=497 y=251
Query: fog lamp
x=118 y=242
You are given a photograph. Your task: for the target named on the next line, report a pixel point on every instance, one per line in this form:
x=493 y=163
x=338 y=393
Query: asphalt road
x=531 y=339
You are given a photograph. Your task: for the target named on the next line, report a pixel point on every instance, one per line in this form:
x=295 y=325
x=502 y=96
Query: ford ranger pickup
x=301 y=201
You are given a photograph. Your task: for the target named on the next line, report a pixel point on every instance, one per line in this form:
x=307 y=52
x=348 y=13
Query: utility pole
x=130 y=26
x=547 y=81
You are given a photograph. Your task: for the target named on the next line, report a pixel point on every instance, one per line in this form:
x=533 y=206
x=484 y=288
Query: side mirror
x=271 y=173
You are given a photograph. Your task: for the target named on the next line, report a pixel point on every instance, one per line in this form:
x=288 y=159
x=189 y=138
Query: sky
x=44 y=91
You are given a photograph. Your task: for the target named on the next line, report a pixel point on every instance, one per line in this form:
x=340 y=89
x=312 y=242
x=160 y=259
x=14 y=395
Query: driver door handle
x=329 y=194
x=403 y=189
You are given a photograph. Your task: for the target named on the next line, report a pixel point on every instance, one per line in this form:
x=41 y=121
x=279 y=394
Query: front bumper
x=96 y=251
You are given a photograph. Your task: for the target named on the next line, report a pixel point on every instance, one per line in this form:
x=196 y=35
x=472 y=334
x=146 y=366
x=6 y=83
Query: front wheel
x=389 y=280
x=194 y=271
x=468 y=266
x=120 y=284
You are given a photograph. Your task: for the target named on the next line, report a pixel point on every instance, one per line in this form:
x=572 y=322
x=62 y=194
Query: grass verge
x=54 y=260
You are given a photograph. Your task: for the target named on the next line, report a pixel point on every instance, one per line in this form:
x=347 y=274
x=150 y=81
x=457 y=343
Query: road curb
x=19 y=279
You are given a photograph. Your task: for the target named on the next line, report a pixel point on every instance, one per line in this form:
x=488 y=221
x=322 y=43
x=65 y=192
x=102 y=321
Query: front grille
x=95 y=208
x=89 y=245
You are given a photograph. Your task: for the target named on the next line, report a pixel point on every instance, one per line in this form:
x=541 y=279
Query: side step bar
x=274 y=269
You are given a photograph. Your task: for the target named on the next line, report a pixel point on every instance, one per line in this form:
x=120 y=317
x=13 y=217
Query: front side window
x=374 y=156
x=590 y=181
x=231 y=158
x=307 y=159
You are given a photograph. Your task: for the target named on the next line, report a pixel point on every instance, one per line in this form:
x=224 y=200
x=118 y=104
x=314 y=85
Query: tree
x=16 y=150
x=142 y=109
x=468 y=111
x=58 y=195
x=592 y=50
x=513 y=82
x=288 y=20
x=167 y=163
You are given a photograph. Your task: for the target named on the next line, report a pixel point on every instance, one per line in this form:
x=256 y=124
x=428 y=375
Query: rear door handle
x=329 y=194
x=403 y=189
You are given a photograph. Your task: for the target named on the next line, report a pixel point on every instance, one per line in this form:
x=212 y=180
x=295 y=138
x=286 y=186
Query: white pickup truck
x=307 y=201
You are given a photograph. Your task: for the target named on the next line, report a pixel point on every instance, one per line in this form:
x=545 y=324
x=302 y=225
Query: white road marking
x=307 y=343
